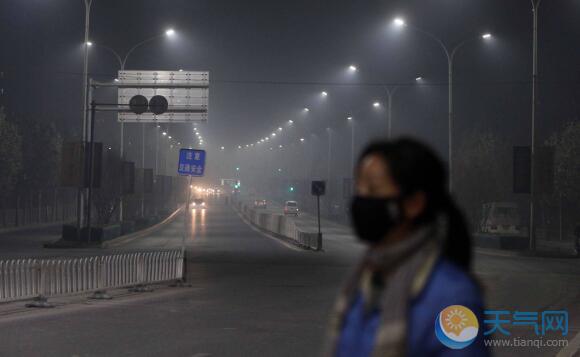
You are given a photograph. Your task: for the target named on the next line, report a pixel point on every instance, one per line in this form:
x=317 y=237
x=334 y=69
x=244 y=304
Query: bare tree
x=10 y=156
x=106 y=197
x=482 y=170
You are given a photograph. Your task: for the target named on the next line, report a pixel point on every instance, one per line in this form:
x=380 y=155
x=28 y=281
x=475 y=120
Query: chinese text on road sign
x=191 y=162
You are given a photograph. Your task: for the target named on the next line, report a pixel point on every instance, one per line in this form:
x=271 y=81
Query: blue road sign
x=191 y=162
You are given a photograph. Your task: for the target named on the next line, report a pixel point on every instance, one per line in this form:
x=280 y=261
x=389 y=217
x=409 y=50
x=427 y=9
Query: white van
x=291 y=207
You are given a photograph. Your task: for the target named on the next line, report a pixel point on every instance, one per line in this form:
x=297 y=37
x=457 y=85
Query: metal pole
x=389 y=112
x=329 y=153
x=450 y=119
x=319 y=243
x=91 y=164
x=143 y=167
x=352 y=148
x=157 y=152
x=535 y=6
x=122 y=156
x=80 y=193
x=560 y=216
x=186 y=228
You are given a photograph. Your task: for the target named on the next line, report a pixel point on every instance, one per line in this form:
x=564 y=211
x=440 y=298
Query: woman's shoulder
x=448 y=284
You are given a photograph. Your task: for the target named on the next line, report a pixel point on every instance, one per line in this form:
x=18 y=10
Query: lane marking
x=122 y=240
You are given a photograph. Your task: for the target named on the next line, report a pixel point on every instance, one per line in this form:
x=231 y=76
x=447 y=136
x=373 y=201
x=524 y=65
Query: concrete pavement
x=253 y=296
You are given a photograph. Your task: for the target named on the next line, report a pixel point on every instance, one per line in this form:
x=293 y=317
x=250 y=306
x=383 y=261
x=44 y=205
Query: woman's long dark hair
x=416 y=168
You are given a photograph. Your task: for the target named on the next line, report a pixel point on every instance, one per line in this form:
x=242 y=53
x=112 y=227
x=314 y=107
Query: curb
x=140 y=234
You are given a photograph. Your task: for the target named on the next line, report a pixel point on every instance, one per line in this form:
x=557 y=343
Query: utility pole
x=84 y=126
x=535 y=7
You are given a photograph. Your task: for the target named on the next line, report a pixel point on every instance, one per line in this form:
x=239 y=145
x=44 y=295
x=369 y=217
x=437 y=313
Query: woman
x=417 y=263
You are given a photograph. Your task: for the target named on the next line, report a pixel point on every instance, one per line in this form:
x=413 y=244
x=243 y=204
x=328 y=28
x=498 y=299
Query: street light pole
x=143 y=168
x=329 y=154
x=450 y=56
x=88 y=4
x=157 y=152
x=351 y=145
x=390 y=94
x=535 y=8
x=81 y=190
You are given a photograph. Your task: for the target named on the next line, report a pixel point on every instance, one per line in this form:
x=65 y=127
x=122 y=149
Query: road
x=252 y=295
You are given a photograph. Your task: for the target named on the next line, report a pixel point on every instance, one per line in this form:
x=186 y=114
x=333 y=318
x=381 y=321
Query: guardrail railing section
x=41 y=278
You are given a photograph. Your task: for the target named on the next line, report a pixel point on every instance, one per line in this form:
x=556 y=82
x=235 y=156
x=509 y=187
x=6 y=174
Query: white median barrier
x=279 y=225
x=42 y=278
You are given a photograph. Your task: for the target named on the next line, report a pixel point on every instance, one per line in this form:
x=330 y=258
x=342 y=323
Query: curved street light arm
x=117 y=56
x=460 y=45
x=433 y=37
x=134 y=47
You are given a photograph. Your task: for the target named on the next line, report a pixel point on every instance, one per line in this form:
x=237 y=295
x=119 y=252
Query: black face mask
x=373 y=218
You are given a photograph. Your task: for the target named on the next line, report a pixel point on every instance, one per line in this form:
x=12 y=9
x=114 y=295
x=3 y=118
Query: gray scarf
x=388 y=278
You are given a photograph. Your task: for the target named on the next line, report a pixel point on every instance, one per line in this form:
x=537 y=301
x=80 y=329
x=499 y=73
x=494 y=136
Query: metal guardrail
x=41 y=278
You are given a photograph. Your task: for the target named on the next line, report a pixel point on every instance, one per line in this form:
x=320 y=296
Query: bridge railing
x=41 y=278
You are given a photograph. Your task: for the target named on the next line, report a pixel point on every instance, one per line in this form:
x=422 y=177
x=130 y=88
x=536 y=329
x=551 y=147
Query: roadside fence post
x=101 y=293
x=141 y=286
x=41 y=301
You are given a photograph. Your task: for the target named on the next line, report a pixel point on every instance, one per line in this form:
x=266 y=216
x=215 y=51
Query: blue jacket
x=447 y=285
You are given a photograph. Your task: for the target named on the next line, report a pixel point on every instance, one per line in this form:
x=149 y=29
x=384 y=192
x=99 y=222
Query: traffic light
x=291 y=189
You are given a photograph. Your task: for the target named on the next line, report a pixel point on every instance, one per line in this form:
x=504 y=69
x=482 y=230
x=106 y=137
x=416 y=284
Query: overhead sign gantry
x=163 y=96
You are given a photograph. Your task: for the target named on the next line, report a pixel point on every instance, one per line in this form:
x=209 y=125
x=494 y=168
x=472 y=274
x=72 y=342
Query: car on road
x=291 y=207
x=262 y=204
x=198 y=203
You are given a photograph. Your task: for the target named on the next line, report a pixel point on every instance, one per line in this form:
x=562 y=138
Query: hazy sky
x=269 y=59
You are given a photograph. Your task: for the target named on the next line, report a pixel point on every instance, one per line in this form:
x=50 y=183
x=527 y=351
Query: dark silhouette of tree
x=10 y=156
x=483 y=173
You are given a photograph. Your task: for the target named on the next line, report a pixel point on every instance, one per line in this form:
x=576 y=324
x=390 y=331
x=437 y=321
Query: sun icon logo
x=456 y=320
x=456 y=326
